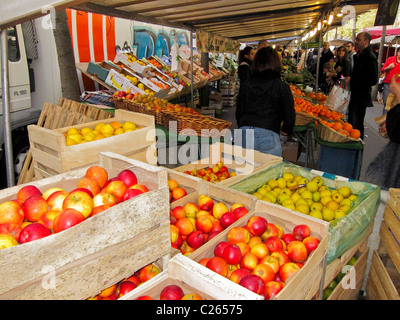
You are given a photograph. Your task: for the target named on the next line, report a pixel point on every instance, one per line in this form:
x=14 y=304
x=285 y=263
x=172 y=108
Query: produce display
x=173 y=292
x=261 y=256
x=100 y=131
x=193 y=224
x=310 y=197
x=125 y=286
x=34 y=215
x=218 y=172
x=175 y=191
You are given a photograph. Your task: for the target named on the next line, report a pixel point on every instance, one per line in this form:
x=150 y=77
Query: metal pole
x=318 y=58
x=6 y=110
x=191 y=66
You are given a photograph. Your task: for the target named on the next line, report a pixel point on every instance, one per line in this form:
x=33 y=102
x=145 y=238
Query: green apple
x=316 y=196
x=312 y=185
x=346 y=202
x=345 y=191
x=316 y=206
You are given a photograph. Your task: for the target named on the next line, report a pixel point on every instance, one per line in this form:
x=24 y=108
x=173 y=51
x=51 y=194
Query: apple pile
x=34 y=215
x=173 y=292
x=260 y=256
x=216 y=173
x=175 y=191
x=193 y=224
x=124 y=286
x=310 y=197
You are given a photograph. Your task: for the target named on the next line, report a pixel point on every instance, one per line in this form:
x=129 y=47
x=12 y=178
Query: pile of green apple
x=333 y=284
x=308 y=196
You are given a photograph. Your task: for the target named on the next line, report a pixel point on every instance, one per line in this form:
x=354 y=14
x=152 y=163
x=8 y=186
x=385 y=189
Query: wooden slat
x=391 y=244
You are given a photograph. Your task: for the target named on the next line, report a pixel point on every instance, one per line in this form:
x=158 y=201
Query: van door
x=20 y=96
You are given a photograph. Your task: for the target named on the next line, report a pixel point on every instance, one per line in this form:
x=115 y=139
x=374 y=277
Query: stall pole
x=6 y=109
x=191 y=68
x=318 y=58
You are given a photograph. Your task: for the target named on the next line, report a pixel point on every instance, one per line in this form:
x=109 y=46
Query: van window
x=13 y=47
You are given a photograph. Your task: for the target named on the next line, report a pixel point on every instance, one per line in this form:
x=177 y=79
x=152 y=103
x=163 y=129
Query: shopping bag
x=339 y=97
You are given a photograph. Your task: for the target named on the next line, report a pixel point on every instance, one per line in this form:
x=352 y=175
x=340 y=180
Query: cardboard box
x=290 y=151
x=306 y=282
x=144 y=71
x=79 y=262
x=215 y=95
x=51 y=155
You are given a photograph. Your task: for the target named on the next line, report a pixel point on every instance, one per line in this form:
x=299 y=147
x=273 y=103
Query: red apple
x=223 y=169
x=49 y=191
x=172 y=219
x=33 y=231
x=272 y=230
x=274 y=244
x=257 y=225
x=238 y=274
x=97 y=173
x=144 y=298
x=56 y=199
x=249 y=261
x=47 y=219
x=11 y=229
x=128 y=177
x=281 y=256
x=219 y=249
x=106 y=199
x=216 y=226
x=178 y=243
x=287 y=270
x=273 y=288
x=196 y=239
x=212 y=234
x=148 y=272
x=218 y=265
x=28 y=191
x=11 y=212
x=34 y=207
x=239 y=212
x=254 y=283
x=227 y=219
x=124 y=287
x=311 y=243
x=90 y=194
x=97 y=210
x=66 y=219
x=171 y=292
x=205 y=202
x=301 y=231
x=141 y=187
x=131 y=193
x=117 y=188
x=297 y=251
x=272 y=262
x=80 y=201
x=288 y=237
x=265 y=272
x=232 y=254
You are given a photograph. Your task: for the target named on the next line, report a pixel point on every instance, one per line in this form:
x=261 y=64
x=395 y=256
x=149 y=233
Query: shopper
x=390 y=68
x=351 y=52
x=264 y=104
x=342 y=66
x=312 y=62
x=363 y=77
x=245 y=58
x=326 y=55
x=302 y=62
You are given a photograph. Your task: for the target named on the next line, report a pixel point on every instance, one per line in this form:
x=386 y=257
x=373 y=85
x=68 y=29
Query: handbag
x=339 y=97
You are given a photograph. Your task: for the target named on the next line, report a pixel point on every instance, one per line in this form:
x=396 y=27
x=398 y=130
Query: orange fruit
x=7 y=241
x=337 y=126
x=172 y=184
x=116 y=124
x=347 y=126
x=343 y=132
x=355 y=133
x=108 y=291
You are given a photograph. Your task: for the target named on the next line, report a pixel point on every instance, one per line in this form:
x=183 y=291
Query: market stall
x=112 y=226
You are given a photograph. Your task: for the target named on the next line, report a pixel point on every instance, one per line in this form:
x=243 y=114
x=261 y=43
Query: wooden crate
x=187 y=274
x=185 y=181
x=384 y=275
x=242 y=161
x=81 y=261
x=349 y=287
x=306 y=283
x=52 y=156
x=333 y=268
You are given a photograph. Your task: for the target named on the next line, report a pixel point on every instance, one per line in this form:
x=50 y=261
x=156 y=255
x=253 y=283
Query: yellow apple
x=328 y=214
x=339 y=213
x=281 y=183
x=319 y=180
x=303 y=208
x=287 y=176
x=345 y=191
x=326 y=193
x=283 y=197
x=316 y=206
x=286 y=191
x=291 y=183
x=312 y=185
x=325 y=200
x=316 y=196
x=306 y=194
x=316 y=214
x=337 y=197
x=273 y=183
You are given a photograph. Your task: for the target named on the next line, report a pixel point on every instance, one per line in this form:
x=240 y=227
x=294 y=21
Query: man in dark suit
x=363 y=76
x=326 y=55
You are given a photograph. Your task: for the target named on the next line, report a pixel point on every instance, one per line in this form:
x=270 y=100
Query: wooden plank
x=390 y=243
x=393 y=221
x=394 y=201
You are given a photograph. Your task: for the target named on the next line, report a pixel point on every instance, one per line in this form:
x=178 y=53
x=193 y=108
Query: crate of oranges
x=127 y=133
x=337 y=131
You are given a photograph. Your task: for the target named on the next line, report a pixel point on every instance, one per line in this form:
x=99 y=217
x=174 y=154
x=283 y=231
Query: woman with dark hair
x=265 y=105
x=245 y=58
x=342 y=65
